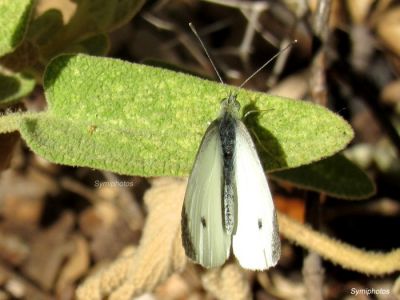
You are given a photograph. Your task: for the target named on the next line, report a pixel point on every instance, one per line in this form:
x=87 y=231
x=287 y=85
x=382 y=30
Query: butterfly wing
x=256 y=242
x=204 y=238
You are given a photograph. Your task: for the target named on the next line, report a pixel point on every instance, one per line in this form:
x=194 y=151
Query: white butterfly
x=228 y=201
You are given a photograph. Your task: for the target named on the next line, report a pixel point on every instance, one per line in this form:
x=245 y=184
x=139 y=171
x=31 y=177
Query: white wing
x=256 y=242
x=204 y=238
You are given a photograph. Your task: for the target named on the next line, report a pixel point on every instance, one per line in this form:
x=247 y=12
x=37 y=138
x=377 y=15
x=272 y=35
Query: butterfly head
x=230 y=105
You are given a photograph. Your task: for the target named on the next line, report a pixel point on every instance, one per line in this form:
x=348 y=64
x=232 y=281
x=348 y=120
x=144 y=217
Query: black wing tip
x=186 y=237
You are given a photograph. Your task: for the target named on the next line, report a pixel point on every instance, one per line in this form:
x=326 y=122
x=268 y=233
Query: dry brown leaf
x=8 y=142
x=22 y=196
x=359 y=9
x=23 y=210
x=388 y=29
x=175 y=287
x=380 y=7
x=10 y=277
x=391 y=94
x=294 y=86
x=49 y=251
x=160 y=252
x=111 y=239
x=367 y=127
x=13 y=249
x=228 y=282
x=3 y=296
x=90 y=221
x=287 y=288
x=76 y=266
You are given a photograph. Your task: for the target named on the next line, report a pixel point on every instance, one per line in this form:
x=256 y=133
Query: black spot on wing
x=186 y=236
x=260 y=224
x=203 y=222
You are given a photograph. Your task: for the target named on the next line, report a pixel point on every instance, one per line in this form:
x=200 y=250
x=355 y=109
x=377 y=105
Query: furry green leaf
x=135 y=119
x=14 y=17
x=336 y=176
x=14 y=87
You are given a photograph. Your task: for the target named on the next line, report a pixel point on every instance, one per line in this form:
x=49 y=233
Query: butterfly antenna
x=206 y=51
x=268 y=62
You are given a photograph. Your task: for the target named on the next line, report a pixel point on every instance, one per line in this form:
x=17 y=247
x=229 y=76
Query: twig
x=252 y=15
x=183 y=37
x=318 y=68
x=280 y=63
x=313 y=274
x=321 y=18
x=313 y=271
x=248 y=9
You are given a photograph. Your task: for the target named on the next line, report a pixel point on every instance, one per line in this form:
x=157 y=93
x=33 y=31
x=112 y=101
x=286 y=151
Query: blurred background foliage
x=57 y=223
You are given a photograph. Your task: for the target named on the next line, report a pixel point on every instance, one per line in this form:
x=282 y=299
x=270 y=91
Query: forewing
x=204 y=238
x=256 y=242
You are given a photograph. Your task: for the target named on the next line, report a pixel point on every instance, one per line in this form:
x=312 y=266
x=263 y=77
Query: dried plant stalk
x=229 y=282
x=347 y=256
x=159 y=254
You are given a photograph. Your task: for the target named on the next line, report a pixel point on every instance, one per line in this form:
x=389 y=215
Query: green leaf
x=91 y=18
x=14 y=17
x=106 y=15
x=45 y=27
x=14 y=87
x=335 y=176
x=12 y=122
x=95 y=45
x=135 y=119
